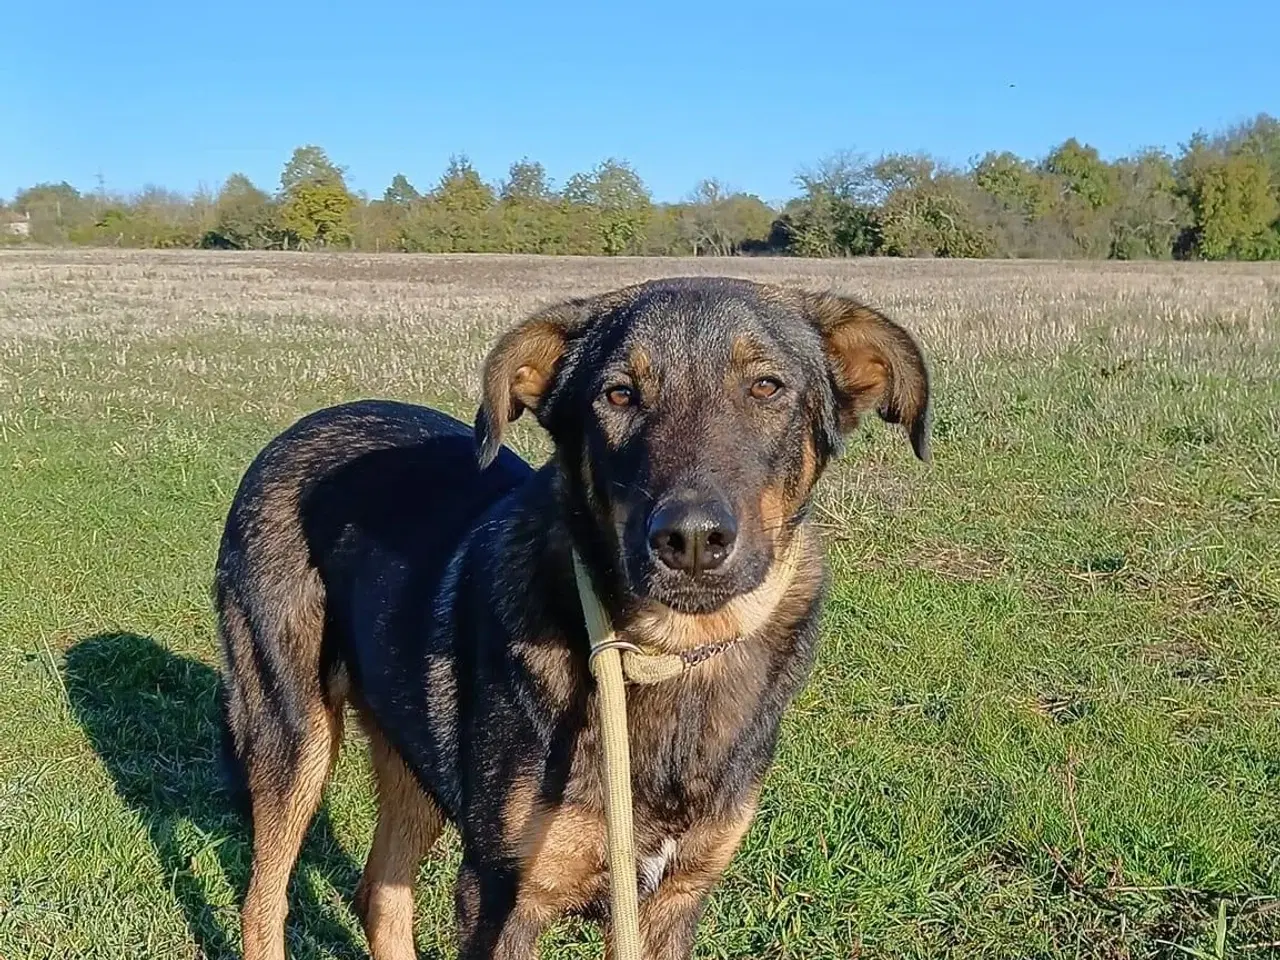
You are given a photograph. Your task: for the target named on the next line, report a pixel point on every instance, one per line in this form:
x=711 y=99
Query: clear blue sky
x=181 y=94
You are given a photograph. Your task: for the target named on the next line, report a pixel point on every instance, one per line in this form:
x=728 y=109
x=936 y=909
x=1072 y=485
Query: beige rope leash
x=606 y=667
x=615 y=662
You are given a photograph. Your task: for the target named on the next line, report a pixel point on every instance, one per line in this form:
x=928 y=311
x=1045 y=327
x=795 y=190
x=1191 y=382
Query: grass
x=1046 y=718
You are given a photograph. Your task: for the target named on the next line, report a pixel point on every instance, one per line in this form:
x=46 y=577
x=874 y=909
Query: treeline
x=1217 y=198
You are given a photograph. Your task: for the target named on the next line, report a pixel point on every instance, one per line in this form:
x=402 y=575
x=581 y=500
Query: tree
x=927 y=212
x=160 y=219
x=318 y=214
x=1015 y=184
x=401 y=193
x=718 y=222
x=462 y=191
x=315 y=205
x=706 y=220
x=1234 y=206
x=1232 y=185
x=55 y=210
x=309 y=164
x=1148 y=215
x=1259 y=136
x=456 y=217
x=836 y=213
x=243 y=217
x=529 y=218
x=618 y=202
x=527 y=183
x=1083 y=173
x=1219 y=199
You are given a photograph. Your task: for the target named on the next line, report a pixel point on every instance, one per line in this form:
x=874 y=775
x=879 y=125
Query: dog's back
x=402 y=475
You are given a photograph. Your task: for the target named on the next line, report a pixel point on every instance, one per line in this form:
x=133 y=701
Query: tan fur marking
x=552 y=666
x=408 y=825
x=875 y=362
x=808 y=469
x=748 y=360
x=641 y=366
x=706 y=849
x=281 y=815
x=860 y=372
x=561 y=851
x=775 y=507
x=668 y=631
x=527 y=385
x=519 y=368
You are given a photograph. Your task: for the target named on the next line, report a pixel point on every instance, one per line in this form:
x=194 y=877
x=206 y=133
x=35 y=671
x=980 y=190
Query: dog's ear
x=521 y=369
x=874 y=364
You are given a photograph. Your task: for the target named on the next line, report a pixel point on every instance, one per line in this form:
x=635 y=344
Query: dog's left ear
x=521 y=369
x=874 y=364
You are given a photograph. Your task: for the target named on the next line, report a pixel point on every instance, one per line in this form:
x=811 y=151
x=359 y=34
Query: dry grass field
x=1046 y=718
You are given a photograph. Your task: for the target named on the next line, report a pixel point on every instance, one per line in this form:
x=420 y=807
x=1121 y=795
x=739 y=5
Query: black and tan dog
x=387 y=556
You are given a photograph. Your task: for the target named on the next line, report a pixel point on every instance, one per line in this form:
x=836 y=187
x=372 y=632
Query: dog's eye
x=765 y=388
x=620 y=396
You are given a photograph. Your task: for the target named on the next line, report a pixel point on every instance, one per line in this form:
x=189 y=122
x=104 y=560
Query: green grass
x=1046 y=718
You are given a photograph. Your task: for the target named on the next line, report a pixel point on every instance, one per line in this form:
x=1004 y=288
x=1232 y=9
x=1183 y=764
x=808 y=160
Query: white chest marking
x=652 y=869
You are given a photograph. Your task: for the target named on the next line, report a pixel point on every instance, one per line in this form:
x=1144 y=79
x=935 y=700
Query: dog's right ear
x=521 y=370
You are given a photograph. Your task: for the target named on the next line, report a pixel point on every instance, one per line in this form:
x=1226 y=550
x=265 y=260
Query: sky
x=182 y=95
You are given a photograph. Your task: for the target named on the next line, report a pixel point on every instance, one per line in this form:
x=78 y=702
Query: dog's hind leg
x=285 y=798
x=409 y=822
x=285 y=725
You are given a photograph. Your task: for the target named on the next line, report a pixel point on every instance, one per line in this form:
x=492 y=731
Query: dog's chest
x=651 y=868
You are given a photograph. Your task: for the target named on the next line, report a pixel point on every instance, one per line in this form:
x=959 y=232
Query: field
x=1046 y=718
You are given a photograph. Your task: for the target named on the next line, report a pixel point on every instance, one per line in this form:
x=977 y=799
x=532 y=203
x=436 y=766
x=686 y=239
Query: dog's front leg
x=492 y=924
x=669 y=917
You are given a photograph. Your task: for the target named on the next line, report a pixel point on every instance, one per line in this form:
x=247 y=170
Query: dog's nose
x=692 y=536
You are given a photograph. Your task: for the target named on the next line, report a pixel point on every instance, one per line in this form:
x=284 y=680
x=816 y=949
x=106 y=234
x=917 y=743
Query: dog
x=390 y=558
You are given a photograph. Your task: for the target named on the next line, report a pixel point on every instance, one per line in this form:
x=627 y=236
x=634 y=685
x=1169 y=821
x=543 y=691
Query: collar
x=639 y=666
x=645 y=667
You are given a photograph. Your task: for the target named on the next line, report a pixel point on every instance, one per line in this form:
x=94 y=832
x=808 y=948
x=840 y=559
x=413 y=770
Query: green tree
x=315 y=205
x=929 y=214
x=1222 y=179
x=1083 y=173
x=529 y=216
x=456 y=216
x=1148 y=214
x=527 y=182
x=243 y=216
x=1234 y=206
x=618 y=202
x=719 y=222
x=1015 y=184
x=461 y=190
x=836 y=214
x=317 y=214
x=55 y=210
x=309 y=164
x=163 y=219
x=401 y=193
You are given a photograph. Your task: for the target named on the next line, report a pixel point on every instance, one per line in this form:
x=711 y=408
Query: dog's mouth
x=685 y=597
x=652 y=582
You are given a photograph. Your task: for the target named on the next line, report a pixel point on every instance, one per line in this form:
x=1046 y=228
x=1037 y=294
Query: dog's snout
x=692 y=536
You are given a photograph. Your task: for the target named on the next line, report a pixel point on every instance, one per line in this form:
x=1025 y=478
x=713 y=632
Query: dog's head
x=692 y=417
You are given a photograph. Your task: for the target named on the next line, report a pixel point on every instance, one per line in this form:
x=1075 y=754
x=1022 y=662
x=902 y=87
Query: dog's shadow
x=152 y=717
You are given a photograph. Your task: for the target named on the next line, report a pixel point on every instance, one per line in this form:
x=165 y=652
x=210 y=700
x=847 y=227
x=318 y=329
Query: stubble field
x=1045 y=722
